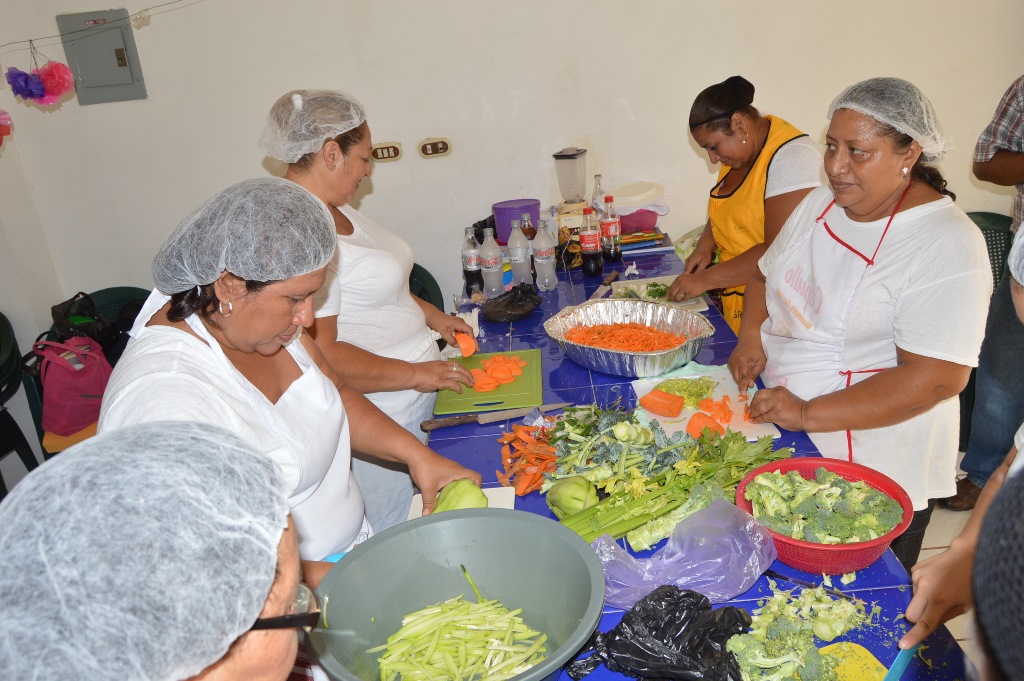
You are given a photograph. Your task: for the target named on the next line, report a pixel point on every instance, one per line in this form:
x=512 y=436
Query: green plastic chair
x=998 y=239
x=12 y=440
x=423 y=285
x=109 y=302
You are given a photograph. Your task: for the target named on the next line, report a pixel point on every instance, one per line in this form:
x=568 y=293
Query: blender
x=571 y=169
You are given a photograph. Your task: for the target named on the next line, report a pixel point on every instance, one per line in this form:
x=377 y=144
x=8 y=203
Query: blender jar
x=571 y=169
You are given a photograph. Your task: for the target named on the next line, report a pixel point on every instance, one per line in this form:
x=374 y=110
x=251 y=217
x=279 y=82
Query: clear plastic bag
x=719 y=551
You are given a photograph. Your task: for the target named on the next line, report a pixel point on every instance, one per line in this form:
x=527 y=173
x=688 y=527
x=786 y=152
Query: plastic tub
x=642 y=220
x=507 y=211
x=832 y=559
x=524 y=560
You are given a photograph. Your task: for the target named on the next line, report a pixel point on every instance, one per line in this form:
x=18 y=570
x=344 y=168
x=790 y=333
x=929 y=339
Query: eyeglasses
x=305 y=613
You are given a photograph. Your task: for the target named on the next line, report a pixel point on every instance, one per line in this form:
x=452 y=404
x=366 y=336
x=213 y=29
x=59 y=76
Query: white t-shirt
x=834 y=319
x=167 y=374
x=1018 y=442
x=367 y=288
x=796 y=165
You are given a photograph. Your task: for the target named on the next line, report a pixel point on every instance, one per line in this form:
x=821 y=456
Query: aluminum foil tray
x=691 y=325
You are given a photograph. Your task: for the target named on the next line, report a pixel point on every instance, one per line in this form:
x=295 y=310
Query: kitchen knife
x=605 y=286
x=899 y=665
x=487 y=417
x=810 y=585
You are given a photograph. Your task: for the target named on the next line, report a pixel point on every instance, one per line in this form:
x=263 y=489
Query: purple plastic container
x=507 y=211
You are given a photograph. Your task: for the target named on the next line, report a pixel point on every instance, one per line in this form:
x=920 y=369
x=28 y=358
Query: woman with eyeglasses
x=162 y=551
x=220 y=341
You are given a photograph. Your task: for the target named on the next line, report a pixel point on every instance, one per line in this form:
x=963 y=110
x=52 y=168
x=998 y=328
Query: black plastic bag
x=671 y=633
x=512 y=305
x=78 y=316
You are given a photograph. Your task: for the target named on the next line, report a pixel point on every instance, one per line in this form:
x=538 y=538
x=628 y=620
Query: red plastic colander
x=831 y=559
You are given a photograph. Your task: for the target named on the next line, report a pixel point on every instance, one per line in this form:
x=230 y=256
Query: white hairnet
x=900 y=104
x=265 y=229
x=302 y=120
x=141 y=553
x=1015 y=260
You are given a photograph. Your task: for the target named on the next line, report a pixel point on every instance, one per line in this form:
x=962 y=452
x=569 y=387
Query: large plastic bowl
x=686 y=323
x=524 y=560
x=831 y=559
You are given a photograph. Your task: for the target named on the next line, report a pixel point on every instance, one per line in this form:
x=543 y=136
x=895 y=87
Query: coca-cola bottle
x=590 y=244
x=471 y=264
x=544 y=258
x=611 y=231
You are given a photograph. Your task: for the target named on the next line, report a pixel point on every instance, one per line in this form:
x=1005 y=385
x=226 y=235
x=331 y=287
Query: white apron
x=816 y=290
x=310 y=421
x=387 y=488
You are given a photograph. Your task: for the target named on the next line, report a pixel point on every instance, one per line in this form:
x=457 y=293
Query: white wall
x=87 y=193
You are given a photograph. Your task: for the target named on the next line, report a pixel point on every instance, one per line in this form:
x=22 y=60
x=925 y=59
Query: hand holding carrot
x=778 y=406
x=447 y=325
x=440 y=375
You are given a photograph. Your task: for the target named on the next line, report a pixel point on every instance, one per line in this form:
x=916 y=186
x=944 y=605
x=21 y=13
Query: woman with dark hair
x=768 y=167
x=220 y=341
x=867 y=312
x=370 y=327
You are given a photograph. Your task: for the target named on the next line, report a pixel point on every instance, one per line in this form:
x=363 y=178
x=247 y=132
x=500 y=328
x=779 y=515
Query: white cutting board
x=497 y=497
x=724 y=385
x=697 y=304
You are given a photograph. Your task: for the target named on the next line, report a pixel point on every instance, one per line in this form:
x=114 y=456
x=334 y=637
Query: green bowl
x=524 y=560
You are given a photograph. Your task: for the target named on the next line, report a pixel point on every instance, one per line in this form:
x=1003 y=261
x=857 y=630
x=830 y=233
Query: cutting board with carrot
x=725 y=386
x=523 y=391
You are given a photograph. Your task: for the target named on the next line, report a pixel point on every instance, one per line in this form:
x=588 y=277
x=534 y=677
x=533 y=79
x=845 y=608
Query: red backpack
x=74 y=375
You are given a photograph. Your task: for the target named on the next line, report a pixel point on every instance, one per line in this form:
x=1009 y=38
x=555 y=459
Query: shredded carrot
x=526 y=457
x=624 y=336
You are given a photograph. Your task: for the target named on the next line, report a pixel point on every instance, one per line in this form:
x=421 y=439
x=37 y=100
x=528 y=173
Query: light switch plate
x=435 y=146
x=386 y=151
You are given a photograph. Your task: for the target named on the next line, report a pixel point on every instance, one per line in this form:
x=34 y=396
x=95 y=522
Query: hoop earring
x=220 y=308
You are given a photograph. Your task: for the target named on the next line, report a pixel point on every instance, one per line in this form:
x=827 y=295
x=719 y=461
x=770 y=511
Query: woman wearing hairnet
x=768 y=167
x=868 y=310
x=942 y=583
x=220 y=341
x=161 y=552
x=365 y=306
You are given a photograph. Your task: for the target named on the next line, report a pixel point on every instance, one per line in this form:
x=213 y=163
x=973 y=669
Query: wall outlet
x=388 y=151
x=435 y=146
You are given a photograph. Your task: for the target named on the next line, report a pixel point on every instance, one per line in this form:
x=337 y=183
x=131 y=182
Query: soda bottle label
x=544 y=253
x=590 y=241
x=490 y=263
x=473 y=261
x=610 y=228
x=519 y=256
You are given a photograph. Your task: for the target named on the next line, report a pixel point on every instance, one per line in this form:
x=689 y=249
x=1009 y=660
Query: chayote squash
x=571 y=495
x=460 y=494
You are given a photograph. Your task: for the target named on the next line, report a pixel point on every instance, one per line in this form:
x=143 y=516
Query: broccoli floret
x=766 y=501
x=818 y=667
x=807 y=508
x=888 y=512
x=827 y=497
x=804 y=488
x=776 y=481
x=824 y=475
x=754 y=660
x=828 y=528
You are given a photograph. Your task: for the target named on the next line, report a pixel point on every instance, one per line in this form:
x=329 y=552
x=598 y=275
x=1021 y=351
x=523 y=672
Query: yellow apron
x=737 y=219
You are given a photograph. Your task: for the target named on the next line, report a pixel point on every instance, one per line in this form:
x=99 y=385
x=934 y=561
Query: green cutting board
x=525 y=391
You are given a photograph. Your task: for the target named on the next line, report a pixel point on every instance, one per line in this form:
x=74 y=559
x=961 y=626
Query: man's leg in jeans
x=999 y=397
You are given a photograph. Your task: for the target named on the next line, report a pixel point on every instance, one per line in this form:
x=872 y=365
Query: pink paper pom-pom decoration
x=57 y=78
x=5 y=125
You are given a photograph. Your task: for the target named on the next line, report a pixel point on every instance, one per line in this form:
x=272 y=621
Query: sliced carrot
x=662 y=403
x=624 y=336
x=699 y=421
x=467 y=344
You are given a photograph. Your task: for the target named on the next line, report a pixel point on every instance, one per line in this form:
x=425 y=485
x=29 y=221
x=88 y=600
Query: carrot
x=699 y=421
x=526 y=457
x=624 y=336
x=662 y=403
x=720 y=410
x=467 y=344
x=495 y=371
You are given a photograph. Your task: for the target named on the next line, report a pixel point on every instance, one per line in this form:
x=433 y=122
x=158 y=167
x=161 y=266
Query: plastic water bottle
x=519 y=255
x=611 y=231
x=531 y=233
x=590 y=244
x=544 y=258
x=597 y=198
x=490 y=265
x=471 y=264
